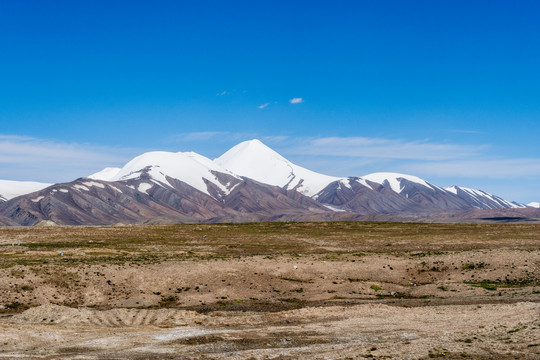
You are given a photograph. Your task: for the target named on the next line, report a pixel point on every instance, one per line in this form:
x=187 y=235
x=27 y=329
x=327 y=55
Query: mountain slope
x=481 y=199
x=145 y=200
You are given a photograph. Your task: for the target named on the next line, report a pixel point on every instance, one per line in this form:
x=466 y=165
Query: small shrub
x=485 y=284
x=168 y=301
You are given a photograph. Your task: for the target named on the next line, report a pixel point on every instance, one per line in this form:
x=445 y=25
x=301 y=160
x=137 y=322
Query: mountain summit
x=255 y=160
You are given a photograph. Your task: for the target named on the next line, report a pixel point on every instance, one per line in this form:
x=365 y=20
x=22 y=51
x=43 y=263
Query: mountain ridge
x=249 y=182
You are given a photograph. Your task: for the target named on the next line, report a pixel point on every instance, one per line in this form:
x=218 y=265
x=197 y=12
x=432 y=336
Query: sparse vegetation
x=249 y=270
x=472 y=266
x=494 y=285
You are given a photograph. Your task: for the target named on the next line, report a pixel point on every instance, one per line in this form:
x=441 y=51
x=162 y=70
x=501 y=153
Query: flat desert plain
x=271 y=291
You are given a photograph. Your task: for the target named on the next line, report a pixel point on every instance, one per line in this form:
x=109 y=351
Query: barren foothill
x=271 y=290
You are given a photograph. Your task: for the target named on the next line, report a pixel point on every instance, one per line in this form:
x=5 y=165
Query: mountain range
x=250 y=182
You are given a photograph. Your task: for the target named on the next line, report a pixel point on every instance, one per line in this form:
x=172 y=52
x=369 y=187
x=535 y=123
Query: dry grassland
x=274 y=290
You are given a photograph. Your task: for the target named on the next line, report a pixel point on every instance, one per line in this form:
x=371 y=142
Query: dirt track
x=328 y=291
x=472 y=331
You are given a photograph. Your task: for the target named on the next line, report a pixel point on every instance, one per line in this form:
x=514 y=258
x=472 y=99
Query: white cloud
x=382 y=148
x=296 y=100
x=27 y=158
x=480 y=168
x=356 y=156
x=225 y=92
x=263 y=106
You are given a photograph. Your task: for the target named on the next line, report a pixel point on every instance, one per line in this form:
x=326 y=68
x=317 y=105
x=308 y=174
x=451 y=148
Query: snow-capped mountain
x=250 y=182
x=160 y=166
x=257 y=161
x=388 y=193
x=481 y=199
x=534 y=204
x=161 y=187
x=11 y=189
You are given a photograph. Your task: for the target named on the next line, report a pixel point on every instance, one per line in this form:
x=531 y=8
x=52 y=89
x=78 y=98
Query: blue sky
x=445 y=90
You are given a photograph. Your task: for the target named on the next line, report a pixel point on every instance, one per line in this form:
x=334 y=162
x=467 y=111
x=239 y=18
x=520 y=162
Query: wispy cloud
x=382 y=148
x=276 y=139
x=480 y=168
x=464 y=131
x=200 y=136
x=28 y=158
x=263 y=106
x=356 y=156
x=224 y=92
x=296 y=100
x=214 y=136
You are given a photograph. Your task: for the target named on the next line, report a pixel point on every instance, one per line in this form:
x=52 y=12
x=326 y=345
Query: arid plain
x=339 y=290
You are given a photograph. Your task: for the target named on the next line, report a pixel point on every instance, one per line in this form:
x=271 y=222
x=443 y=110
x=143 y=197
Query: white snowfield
x=534 y=204
x=188 y=167
x=10 y=189
x=257 y=161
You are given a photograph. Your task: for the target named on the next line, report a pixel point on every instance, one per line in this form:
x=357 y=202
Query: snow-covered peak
x=105 y=174
x=10 y=189
x=188 y=167
x=394 y=180
x=254 y=147
x=534 y=204
x=255 y=160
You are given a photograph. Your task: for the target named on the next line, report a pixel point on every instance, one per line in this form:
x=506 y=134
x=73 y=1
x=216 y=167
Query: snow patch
x=394 y=180
x=64 y=190
x=38 y=198
x=345 y=182
x=144 y=187
x=114 y=188
x=81 y=187
x=534 y=204
x=333 y=208
x=93 y=183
